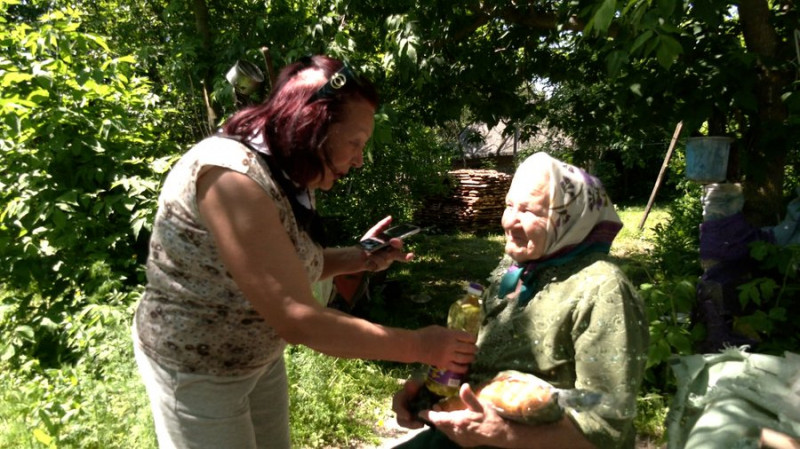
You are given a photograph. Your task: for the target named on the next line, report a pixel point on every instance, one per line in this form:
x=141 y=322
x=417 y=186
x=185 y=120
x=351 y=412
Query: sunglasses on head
x=334 y=84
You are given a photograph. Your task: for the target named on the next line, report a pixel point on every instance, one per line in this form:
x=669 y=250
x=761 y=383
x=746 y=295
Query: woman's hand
x=383 y=258
x=446 y=348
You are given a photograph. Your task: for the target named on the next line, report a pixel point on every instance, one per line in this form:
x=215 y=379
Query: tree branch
x=526 y=17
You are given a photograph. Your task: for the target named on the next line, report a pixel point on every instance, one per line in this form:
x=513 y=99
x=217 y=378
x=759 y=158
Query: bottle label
x=445 y=377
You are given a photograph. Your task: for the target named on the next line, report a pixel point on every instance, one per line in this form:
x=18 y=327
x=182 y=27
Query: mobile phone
x=400 y=231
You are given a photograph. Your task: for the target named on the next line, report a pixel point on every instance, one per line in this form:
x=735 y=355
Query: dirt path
x=391 y=434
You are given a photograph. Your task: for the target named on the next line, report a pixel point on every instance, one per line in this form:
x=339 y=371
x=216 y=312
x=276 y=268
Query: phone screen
x=399 y=231
x=372 y=244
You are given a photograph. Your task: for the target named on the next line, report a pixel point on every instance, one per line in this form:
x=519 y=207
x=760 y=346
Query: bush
x=676 y=241
x=768 y=300
x=81 y=135
x=96 y=402
x=670 y=293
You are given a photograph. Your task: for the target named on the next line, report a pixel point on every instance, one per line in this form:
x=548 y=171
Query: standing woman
x=236 y=245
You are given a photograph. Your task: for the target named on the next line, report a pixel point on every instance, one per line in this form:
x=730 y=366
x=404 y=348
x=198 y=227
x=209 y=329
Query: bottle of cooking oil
x=464 y=315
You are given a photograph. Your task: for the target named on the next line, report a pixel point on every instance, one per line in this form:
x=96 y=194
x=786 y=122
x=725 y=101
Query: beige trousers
x=197 y=411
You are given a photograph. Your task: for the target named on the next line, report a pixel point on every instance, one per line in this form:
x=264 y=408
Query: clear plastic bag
x=722 y=200
x=787 y=232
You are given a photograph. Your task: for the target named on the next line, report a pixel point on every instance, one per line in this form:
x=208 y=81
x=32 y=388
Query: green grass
x=633 y=241
x=100 y=403
x=96 y=403
x=632 y=245
x=329 y=407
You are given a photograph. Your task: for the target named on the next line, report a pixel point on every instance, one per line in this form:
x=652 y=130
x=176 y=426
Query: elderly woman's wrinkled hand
x=478 y=424
x=400 y=403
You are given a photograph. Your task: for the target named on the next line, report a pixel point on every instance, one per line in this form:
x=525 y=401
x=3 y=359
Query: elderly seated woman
x=562 y=312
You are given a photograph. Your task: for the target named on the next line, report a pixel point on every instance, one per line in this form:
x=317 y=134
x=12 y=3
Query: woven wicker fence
x=475 y=205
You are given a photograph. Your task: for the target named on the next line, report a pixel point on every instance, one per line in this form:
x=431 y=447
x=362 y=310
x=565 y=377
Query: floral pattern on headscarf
x=581 y=219
x=578 y=202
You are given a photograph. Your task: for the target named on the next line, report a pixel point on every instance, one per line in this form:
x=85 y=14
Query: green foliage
x=80 y=133
x=651 y=417
x=669 y=307
x=81 y=142
x=670 y=293
x=98 y=402
x=676 y=241
x=768 y=300
x=335 y=402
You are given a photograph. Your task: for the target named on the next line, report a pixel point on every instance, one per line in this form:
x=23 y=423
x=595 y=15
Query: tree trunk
x=206 y=56
x=765 y=144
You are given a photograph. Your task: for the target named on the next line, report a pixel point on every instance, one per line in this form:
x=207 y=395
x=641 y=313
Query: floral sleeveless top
x=192 y=316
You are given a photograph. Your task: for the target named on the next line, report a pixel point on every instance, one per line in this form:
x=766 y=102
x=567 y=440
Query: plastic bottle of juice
x=465 y=315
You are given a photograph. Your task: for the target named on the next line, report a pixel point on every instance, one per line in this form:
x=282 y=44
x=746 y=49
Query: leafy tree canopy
x=98 y=97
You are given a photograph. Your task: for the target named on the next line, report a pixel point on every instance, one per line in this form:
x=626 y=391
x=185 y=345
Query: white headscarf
x=581 y=219
x=580 y=210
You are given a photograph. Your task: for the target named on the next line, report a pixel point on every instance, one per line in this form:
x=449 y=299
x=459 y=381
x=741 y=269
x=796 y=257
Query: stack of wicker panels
x=475 y=205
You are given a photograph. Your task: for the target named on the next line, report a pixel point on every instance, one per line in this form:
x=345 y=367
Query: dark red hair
x=295 y=118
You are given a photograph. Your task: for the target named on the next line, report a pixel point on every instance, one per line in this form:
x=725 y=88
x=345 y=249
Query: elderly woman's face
x=525 y=217
x=346 y=142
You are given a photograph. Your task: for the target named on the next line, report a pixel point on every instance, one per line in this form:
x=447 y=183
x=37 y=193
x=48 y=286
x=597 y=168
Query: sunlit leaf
x=604 y=15
x=42 y=436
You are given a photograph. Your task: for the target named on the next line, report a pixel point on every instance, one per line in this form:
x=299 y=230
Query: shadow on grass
x=419 y=293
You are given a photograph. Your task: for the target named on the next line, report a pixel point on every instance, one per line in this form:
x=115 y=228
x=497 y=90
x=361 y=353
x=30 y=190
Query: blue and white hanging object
x=707 y=158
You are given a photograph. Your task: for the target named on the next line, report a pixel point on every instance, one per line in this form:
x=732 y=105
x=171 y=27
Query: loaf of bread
x=522 y=397
x=517 y=396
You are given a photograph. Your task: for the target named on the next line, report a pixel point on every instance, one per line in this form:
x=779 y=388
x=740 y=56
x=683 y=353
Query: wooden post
x=661 y=173
x=268 y=67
